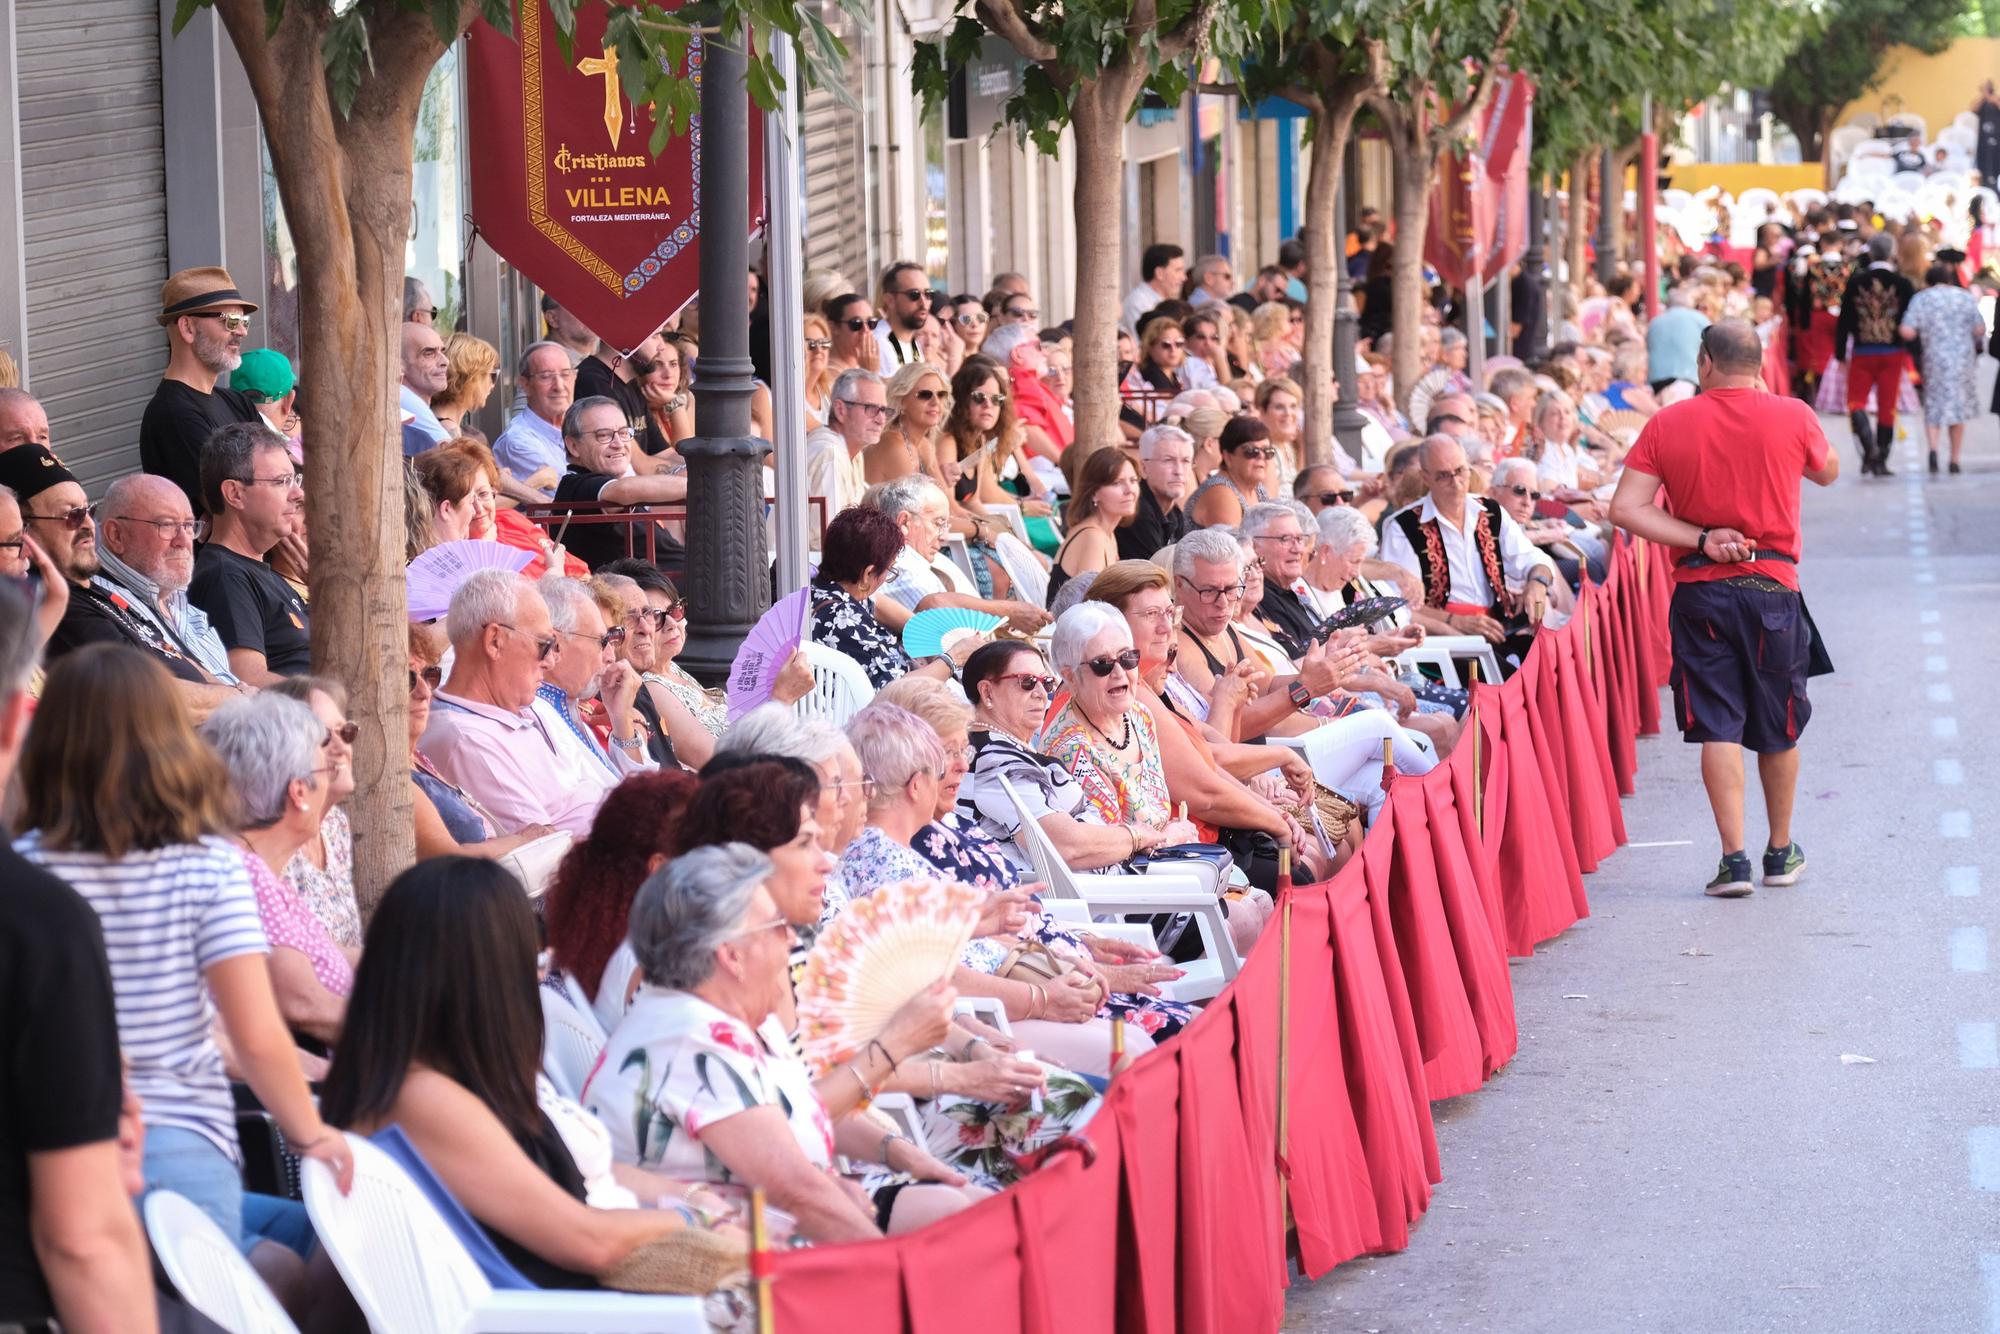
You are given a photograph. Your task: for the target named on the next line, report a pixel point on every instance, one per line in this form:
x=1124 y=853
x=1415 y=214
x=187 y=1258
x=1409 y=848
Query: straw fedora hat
x=193 y=291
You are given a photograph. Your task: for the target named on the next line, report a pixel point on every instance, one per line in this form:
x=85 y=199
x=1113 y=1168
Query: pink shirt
x=511 y=765
x=289 y=924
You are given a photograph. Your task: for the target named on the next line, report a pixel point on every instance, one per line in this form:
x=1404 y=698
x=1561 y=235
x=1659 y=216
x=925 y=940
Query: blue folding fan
x=931 y=633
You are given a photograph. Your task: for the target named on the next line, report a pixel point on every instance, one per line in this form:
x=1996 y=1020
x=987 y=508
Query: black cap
x=31 y=469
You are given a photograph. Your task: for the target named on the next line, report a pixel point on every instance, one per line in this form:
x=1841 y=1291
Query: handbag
x=534 y=863
x=1033 y=962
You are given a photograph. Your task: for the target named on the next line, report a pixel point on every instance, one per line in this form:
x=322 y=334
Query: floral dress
x=842 y=621
x=969 y=855
x=1122 y=784
x=1947 y=321
x=707 y=706
x=329 y=892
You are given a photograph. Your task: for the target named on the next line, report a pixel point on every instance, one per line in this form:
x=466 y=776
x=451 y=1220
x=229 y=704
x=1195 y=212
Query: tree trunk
x=346 y=187
x=1097 y=125
x=1578 y=238
x=1411 y=205
x=1321 y=235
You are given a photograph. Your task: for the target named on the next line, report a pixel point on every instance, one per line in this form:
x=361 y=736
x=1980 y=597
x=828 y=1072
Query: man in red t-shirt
x=1729 y=462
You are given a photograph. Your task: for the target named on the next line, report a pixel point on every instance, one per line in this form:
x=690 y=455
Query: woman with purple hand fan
x=857 y=556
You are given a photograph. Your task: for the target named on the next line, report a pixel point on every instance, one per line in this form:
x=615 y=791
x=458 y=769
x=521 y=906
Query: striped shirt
x=169 y=915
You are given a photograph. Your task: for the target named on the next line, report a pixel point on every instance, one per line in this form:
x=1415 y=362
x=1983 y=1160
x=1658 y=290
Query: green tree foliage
x=1843 y=59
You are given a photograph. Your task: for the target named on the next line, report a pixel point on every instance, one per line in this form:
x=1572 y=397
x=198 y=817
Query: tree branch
x=1185 y=35
x=1482 y=91
x=1005 y=19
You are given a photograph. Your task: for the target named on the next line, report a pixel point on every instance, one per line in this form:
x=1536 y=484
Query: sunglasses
x=71 y=518
x=432 y=677
x=1258 y=452
x=543 y=647
x=819 y=344
x=346 y=732
x=1173 y=346
x=856 y=325
x=980 y=399
x=913 y=294
x=968 y=321
x=1031 y=681
x=609 y=639
x=927 y=395
x=1524 y=491
x=1129 y=660
x=1335 y=497
x=230 y=320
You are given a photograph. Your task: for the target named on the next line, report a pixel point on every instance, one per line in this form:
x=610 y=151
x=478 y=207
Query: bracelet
x=867 y=1094
x=637 y=742
x=1038 y=1001
x=1701 y=543
x=876 y=1044
x=887 y=1140
x=1132 y=834
x=970 y=1043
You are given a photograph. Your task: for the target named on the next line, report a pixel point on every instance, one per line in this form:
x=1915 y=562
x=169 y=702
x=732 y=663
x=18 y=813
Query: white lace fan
x=880 y=951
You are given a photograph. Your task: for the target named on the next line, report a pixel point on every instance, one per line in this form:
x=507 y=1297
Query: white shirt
x=1137 y=302
x=1468 y=573
x=896 y=350
x=912 y=578
x=1558 y=466
x=832 y=472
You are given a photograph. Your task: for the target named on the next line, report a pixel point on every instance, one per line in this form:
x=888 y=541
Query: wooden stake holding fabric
x=1472 y=721
x=1284 y=1042
x=761 y=1262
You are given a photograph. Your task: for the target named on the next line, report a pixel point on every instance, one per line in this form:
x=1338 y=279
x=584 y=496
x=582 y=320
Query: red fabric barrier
x=1398 y=993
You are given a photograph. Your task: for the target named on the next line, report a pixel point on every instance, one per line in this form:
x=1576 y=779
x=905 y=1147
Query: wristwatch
x=1301 y=697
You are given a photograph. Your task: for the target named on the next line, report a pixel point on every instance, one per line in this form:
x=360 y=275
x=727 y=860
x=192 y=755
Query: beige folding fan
x=880 y=951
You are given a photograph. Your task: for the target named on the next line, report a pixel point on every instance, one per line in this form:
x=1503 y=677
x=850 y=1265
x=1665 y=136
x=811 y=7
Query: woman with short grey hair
x=275 y=749
x=699 y=1081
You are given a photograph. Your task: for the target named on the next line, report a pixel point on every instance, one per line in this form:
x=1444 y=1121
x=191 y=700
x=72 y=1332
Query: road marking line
x=1933 y=638
x=1989 y=1272
x=1927 y=618
x=1936 y=662
x=1947 y=772
x=1968 y=952
x=1939 y=692
x=1944 y=729
x=1961 y=882
x=1664 y=843
x=1919 y=549
x=1923 y=577
x=1979 y=1046
x=1955 y=824
x=1984 y=1145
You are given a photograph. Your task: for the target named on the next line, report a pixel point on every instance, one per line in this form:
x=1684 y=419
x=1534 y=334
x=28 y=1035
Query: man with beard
x=59 y=516
x=205 y=318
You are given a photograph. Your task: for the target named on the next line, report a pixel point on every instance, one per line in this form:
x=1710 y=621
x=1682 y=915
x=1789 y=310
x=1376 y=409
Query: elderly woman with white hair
x=699 y=1081
x=275 y=751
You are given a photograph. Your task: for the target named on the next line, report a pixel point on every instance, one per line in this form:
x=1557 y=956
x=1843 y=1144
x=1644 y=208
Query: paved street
x=1687 y=1140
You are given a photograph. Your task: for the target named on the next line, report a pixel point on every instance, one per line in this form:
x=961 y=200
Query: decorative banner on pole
x=1479 y=206
x=563 y=186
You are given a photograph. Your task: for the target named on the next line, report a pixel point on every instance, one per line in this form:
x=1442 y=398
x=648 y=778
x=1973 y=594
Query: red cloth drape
x=1482 y=959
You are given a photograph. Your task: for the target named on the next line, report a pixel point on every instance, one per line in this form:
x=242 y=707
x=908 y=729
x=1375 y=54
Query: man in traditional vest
x=1473 y=560
x=1730 y=461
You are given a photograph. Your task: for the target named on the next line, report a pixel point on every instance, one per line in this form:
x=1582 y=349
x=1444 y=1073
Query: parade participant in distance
x=1730 y=460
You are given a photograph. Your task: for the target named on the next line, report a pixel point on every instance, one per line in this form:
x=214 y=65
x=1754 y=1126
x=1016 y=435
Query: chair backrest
x=407 y=1272
x=1042 y=854
x=840 y=688
x=1024 y=569
x=208 y=1270
x=571 y=1043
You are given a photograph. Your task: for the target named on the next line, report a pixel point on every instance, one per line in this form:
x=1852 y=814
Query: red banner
x=564 y=186
x=1479 y=207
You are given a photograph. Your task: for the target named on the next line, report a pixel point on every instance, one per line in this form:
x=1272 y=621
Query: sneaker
x=1784 y=866
x=1732 y=877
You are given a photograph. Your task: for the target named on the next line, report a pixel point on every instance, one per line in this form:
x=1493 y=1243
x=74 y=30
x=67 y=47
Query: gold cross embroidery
x=606 y=68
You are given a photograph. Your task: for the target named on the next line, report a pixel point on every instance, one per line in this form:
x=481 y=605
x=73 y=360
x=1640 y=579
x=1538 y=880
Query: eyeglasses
x=981 y=399
x=346 y=732
x=284 y=483
x=857 y=324
x=543 y=647
x=167 y=528
x=1220 y=593
x=1257 y=452
x=927 y=395
x=1030 y=681
x=779 y=924
x=15 y=543
x=428 y=312
x=71 y=518
x=819 y=344
x=1168 y=615
x=432 y=677
x=1459 y=473
x=1524 y=491
x=1335 y=497
x=605 y=439
x=1286 y=540
x=1129 y=660
x=1171 y=346
x=968 y=321
x=230 y=320
x=609 y=639
x=549 y=377
x=872 y=409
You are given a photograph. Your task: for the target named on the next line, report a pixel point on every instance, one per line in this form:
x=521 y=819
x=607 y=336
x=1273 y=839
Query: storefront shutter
x=836 y=212
x=94 y=222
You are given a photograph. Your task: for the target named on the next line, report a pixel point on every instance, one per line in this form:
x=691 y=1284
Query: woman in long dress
x=1946 y=317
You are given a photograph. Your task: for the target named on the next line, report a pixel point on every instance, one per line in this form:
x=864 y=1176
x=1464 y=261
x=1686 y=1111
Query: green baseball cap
x=266 y=375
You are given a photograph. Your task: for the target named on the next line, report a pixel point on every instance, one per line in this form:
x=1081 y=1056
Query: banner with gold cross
x=563 y=187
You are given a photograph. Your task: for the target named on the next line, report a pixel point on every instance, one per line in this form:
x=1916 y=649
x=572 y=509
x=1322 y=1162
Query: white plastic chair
x=988 y=1010
x=961 y=556
x=208 y=1270
x=1157 y=891
x=1023 y=567
x=840 y=688
x=901 y=1109
x=410 y=1275
x=571 y=1044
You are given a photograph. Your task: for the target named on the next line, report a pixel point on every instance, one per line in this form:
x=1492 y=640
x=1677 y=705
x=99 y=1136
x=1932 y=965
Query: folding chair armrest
x=550 y=1312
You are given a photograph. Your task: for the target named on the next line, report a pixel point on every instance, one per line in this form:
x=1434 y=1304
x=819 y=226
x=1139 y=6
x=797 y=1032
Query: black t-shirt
x=252 y=607
x=1151 y=528
x=59 y=1086
x=178 y=423
x=98 y=616
x=596 y=544
x=595 y=377
x=1294 y=620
